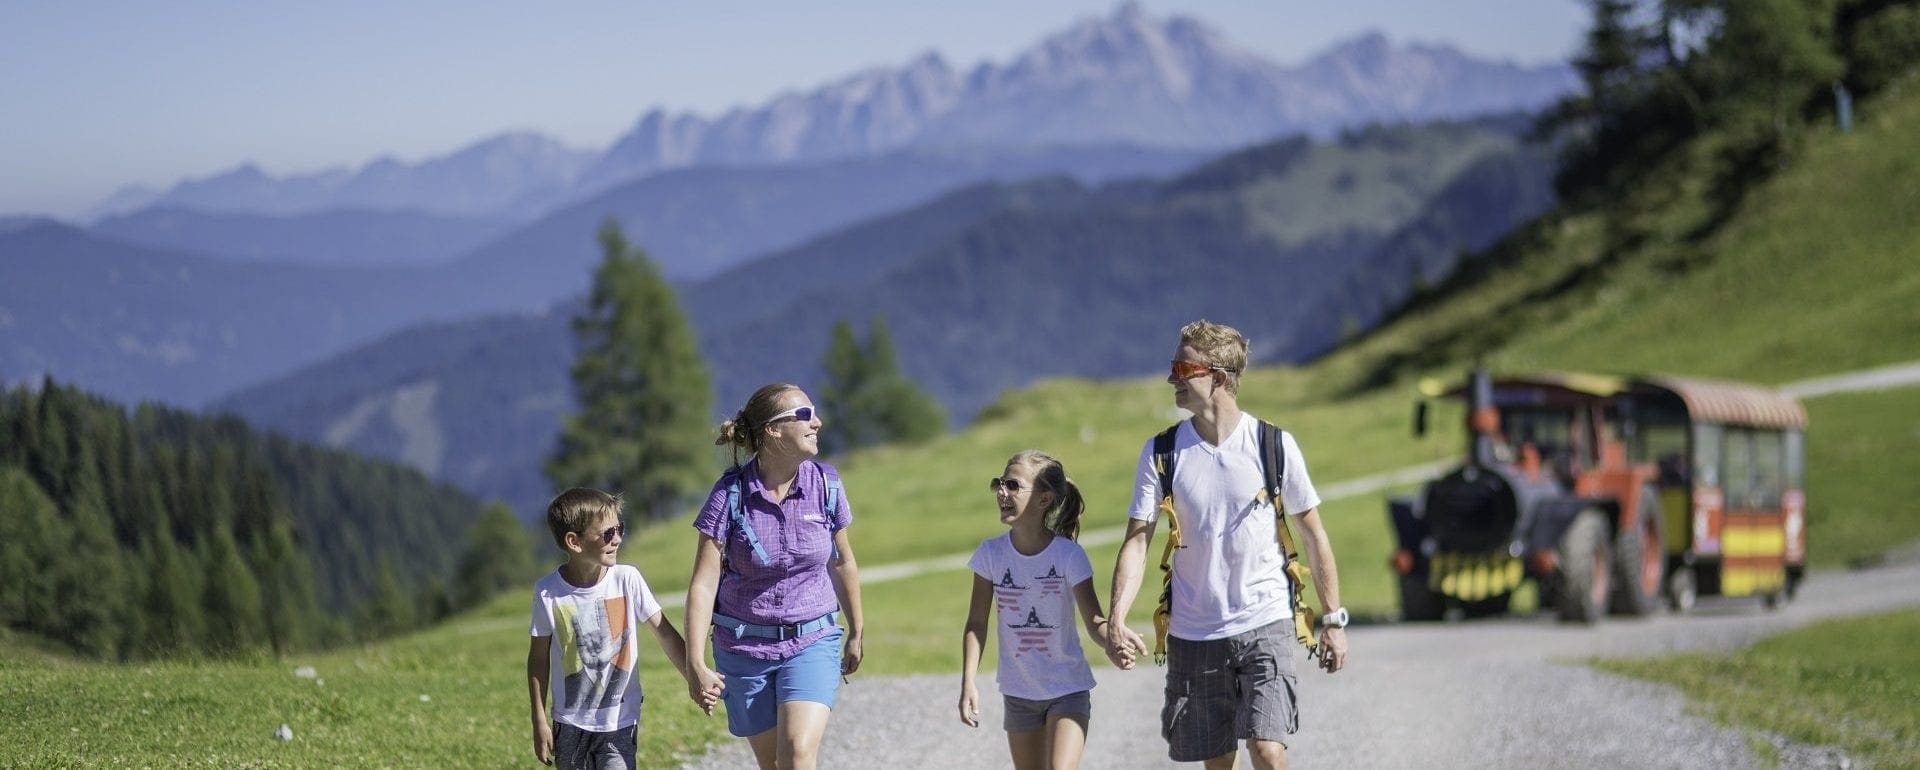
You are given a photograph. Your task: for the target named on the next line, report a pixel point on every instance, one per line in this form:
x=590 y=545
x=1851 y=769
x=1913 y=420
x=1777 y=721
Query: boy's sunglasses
x=801 y=413
x=1010 y=485
x=1187 y=370
x=607 y=535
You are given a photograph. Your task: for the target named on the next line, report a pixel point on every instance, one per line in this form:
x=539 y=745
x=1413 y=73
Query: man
x=1230 y=661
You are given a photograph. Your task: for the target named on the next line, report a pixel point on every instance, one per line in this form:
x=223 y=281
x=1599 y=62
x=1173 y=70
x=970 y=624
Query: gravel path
x=1497 y=693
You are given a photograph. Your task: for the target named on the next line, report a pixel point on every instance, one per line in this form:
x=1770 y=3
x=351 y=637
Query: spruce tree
x=499 y=556
x=868 y=400
x=643 y=391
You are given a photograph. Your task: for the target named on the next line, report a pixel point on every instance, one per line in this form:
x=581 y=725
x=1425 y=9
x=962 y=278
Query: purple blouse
x=794 y=587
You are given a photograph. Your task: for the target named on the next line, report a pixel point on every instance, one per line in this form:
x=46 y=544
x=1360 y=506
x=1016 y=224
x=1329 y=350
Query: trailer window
x=1706 y=455
x=1768 y=470
x=1737 y=458
x=1796 y=459
x=1666 y=447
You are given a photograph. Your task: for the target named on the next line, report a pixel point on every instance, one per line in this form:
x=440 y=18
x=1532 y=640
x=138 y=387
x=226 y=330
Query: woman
x=774 y=577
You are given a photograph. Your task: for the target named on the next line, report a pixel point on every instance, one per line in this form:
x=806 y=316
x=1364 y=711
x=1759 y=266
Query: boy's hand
x=705 y=686
x=543 y=742
x=970 y=706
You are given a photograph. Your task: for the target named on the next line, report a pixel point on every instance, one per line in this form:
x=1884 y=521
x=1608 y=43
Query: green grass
x=365 y=710
x=1850 y=683
x=1812 y=276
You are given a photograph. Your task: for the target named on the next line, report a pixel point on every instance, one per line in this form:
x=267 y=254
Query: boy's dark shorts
x=587 y=750
x=1222 y=691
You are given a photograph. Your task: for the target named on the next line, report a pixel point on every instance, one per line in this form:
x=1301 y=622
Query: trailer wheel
x=1585 y=567
x=1639 y=559
x=1417 y=601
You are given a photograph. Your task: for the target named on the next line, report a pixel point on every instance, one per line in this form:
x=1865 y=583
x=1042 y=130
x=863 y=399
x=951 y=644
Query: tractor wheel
x=1585 y=568
x=1418 y=602
x=1682 y=591
x=1639 y=559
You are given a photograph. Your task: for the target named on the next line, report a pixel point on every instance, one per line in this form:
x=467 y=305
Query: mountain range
x=1125 y=79
x=987 y=288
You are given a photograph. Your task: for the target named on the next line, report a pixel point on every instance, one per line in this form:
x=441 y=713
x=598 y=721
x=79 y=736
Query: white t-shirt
x=1230 y=578
x=592 y=662
x=1039 y=632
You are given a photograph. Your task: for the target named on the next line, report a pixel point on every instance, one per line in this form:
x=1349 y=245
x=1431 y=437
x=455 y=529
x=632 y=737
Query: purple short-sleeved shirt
x=794 y=587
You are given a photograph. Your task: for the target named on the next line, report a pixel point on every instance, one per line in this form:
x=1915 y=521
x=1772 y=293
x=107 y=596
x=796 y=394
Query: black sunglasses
x=1010 y=485
x=607 y=535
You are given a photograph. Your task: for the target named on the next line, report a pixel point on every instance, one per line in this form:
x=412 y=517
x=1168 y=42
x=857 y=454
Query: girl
x=774 y=579
x=1028 y=573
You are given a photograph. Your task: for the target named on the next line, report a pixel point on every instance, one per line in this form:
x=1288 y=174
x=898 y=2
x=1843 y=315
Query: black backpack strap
x=1273 y=464
x=1163 y=459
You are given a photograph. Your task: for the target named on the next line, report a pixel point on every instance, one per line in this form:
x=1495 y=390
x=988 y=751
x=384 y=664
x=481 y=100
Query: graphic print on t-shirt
x=595 y=643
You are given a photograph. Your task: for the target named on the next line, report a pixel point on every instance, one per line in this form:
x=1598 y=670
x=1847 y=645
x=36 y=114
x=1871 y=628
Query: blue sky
x=96 y=95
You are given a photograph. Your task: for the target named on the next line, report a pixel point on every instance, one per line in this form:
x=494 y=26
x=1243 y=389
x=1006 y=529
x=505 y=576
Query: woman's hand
x=850 y=654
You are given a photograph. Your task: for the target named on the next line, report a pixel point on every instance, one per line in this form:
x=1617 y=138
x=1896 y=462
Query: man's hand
x=1333 y=649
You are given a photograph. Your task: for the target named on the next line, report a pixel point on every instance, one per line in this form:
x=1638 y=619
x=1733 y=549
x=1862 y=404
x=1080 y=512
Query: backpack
x=1273 y=469
x=736 y=480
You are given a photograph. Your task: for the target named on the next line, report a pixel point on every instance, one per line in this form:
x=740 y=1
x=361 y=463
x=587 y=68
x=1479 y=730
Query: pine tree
x=232 y=597
x=644 y=392
x=867 y=398
x=499 y=556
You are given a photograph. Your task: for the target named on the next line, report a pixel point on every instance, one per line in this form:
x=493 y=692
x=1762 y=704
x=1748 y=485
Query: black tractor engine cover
x=1471 y=510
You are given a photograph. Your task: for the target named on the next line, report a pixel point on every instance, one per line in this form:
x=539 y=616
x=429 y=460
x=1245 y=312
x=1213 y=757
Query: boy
x=593 y=605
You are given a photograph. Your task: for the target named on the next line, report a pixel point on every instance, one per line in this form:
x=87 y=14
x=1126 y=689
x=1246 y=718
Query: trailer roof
x=1733 y=403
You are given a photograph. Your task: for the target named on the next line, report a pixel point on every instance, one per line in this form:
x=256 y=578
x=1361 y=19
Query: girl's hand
x=850 y=655
x=969 y=706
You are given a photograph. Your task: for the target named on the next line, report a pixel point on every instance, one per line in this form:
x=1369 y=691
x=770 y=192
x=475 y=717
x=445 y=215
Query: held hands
x=705 y=686
x=1333 y=649
x=1124 y=646
x=970 y=706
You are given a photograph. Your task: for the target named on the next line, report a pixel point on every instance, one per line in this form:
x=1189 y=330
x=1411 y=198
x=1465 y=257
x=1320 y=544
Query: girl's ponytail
x=1050 y=476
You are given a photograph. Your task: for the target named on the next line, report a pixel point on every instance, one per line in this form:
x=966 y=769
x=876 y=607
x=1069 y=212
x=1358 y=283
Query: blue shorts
x=756 y=687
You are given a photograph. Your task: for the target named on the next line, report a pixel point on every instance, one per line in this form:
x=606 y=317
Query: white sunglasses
x=801 y=413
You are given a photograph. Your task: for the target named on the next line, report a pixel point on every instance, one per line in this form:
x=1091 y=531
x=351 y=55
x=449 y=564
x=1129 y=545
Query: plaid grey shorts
x=1221 y=691
x=588 y=750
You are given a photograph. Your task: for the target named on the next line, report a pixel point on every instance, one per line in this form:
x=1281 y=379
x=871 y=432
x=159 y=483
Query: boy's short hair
x=578 y=508
x=1221 y=345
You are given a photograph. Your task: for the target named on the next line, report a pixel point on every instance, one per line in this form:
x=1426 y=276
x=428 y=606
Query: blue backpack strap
x=830 y=507
x=737 y=516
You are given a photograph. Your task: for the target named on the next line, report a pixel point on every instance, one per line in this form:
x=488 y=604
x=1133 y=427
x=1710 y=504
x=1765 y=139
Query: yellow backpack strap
x=1163 y=612
x=1273 y=466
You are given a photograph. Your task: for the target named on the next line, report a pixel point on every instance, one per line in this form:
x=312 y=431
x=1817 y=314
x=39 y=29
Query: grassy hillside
x=1812 y=275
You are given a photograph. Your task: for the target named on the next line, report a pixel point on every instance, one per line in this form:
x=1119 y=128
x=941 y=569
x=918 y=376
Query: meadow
x=1812 y=276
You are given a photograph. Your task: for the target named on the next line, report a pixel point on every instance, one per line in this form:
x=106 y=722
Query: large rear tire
x=1585 y=567
x=1640 y=559
x=1418 y=602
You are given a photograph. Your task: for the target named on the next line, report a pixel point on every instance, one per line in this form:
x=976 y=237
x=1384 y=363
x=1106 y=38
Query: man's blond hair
x=1222 y=346
x=577 y=509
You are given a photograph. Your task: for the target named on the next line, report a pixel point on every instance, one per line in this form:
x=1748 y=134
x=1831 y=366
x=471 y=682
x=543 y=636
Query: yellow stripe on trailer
x=1737 y=541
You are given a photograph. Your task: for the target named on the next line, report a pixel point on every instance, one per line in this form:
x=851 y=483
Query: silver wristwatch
x=1334 y=619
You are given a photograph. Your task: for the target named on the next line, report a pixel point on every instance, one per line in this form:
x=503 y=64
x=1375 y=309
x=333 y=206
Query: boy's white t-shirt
x=1230 y=578
x=1040 y=656
x=592 y=664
